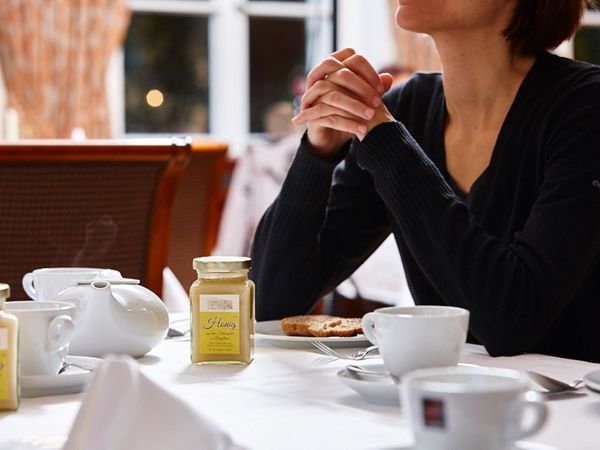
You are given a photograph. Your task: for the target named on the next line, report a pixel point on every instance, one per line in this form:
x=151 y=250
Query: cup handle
x=368 y=327
x=60 y=333
x=540 y=413
x=27 y=283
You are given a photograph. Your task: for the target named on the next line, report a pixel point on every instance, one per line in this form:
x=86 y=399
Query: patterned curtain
x=414 y=50
x=54 y=56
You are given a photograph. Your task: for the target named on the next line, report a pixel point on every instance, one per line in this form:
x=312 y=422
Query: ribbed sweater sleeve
x=285 y=250
x=402 y=167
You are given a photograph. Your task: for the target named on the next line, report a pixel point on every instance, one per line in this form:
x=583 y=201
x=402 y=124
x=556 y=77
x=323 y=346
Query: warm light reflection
x=155 y=98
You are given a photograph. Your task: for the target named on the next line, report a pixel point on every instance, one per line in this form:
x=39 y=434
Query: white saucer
x=378 y=390
x=592 y=380
x=71 y=381
x=519 y=445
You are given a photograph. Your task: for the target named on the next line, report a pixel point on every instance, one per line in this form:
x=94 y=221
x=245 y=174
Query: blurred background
x=229 y=71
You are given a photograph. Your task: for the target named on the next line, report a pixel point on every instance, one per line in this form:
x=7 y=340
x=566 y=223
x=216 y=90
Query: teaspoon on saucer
x=553 y=385
x=68 y=365
x=370 y=375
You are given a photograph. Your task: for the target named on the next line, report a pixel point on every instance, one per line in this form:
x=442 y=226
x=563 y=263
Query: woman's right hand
x=341 y=95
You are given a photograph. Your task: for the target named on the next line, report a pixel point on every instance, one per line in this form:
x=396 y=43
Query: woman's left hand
x=360 y=67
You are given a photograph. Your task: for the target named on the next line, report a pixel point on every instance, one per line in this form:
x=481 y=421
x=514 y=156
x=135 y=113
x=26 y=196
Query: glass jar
x=222 y=311
x=9 y=365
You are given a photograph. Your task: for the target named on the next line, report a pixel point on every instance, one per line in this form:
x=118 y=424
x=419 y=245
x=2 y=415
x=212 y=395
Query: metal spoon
x=552 y=384
x=67 y=365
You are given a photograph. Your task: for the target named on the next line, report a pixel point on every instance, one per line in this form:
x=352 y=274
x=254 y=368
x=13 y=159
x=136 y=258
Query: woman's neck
x=481 y=77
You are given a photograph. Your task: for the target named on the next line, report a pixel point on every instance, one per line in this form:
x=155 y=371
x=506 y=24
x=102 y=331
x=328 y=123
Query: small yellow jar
x=9 y=351
x=222 y=311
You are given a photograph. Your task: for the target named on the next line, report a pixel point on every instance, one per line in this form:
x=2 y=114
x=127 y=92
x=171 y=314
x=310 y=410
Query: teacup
x=415 y=337
x=45 y=284
x=470 y=408
x=45 y=330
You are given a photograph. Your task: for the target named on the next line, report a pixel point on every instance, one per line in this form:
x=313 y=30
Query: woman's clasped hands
x=342 y=99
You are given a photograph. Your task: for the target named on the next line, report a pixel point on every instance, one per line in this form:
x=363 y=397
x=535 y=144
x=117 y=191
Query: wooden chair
x=197 y=208
x=96 y=203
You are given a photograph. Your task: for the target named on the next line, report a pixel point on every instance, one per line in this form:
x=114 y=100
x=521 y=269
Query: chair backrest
x=197 y=208
x=94 y=203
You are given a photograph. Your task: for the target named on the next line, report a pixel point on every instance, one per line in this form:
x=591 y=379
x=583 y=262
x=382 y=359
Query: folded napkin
x=123 y=409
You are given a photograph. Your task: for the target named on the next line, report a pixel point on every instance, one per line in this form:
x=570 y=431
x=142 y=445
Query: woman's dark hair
x=539 y=25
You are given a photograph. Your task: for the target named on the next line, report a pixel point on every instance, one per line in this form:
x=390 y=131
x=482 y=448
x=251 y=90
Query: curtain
x=54 y=56
x=413 y=50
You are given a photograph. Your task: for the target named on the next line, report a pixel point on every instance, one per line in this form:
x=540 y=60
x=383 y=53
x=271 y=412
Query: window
x=215 y=66
x=586 y=44
x=166 y=74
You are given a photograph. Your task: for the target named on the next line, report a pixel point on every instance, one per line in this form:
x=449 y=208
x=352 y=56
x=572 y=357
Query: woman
x=488 y=175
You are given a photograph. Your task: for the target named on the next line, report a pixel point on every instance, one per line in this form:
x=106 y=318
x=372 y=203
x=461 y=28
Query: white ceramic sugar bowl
x=116 y=316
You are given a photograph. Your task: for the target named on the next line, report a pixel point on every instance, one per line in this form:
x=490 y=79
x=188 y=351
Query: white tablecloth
x=287 y=399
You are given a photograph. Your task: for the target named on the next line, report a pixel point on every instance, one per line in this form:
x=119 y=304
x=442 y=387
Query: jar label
x=3 y=339
x=4 y=380
x=219 y=324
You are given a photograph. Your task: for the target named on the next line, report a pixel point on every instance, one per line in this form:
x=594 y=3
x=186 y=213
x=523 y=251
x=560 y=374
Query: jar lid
x=4 y=290
x=221 y=263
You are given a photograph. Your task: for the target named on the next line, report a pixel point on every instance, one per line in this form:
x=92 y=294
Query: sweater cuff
x=407 y=180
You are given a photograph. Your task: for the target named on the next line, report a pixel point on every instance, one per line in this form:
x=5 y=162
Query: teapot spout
x=98 y=301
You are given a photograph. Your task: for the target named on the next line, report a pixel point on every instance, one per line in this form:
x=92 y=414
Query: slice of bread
x=298 y=325
x=340 y=327
x=320 y=326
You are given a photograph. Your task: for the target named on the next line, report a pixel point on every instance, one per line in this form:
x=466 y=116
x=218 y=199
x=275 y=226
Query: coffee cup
x=470 y=408
x=45 y=330
x=415 y=337
x=45 y=284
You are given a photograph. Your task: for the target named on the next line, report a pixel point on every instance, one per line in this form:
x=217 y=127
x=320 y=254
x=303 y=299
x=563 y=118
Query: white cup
x=470 y=408
x=45 y=284
x=415 y=337
x=45 y=330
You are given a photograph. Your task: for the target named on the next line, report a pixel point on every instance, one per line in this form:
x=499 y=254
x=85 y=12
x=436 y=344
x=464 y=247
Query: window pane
x=587 y=45
x=166 y=74
x=277 y=55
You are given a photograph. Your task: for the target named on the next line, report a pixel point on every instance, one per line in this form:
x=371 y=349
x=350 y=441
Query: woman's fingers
x=346 y=58
x=387 y=80
x=360 y=66
x=331 y=94
x=329 y=65
x=329 y=116
x=340 y=123
x=322 y=71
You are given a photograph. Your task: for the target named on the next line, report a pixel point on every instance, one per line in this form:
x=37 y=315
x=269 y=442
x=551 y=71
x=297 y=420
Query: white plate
x=71 y=381
x=272 y=332
x=519 y=445
x=592 y=380
x=382 y=390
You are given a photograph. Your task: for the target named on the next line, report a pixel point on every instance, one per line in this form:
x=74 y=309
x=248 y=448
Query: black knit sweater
x=521 y=250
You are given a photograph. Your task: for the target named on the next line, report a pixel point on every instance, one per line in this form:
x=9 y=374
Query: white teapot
x=115 y=316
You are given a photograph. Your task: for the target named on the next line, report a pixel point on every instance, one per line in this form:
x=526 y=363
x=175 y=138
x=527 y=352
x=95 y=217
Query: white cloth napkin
x=125 y=410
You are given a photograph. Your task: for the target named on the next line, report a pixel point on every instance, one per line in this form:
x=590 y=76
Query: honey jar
x=222 y=311
x=9 y=363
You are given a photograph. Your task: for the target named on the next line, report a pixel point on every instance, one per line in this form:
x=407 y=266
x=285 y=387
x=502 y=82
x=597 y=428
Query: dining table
x=291 y=396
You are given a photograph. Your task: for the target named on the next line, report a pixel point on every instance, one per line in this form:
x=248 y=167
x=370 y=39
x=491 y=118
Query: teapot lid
x=221 y=263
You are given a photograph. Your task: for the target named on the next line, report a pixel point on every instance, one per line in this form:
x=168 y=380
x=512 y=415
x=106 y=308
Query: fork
x=361 y=354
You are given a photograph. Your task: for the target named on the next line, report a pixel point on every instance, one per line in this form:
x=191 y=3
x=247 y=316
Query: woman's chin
x=409 y=22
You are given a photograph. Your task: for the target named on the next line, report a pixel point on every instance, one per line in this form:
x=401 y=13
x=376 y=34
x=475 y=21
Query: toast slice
x=320 y=326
